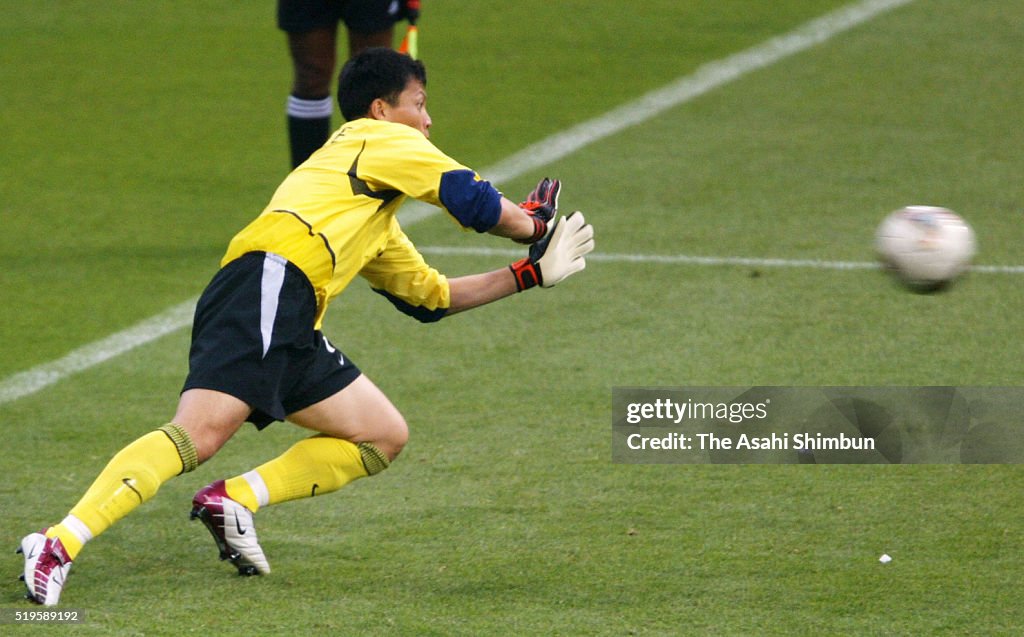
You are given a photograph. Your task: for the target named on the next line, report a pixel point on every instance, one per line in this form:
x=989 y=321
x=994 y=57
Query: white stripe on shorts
x=270 y=290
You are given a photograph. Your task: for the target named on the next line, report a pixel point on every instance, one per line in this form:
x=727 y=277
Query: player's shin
x=132 y=477
x=314 y=466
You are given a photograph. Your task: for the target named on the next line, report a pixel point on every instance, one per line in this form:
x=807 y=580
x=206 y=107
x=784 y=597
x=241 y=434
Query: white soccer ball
x=925 y=246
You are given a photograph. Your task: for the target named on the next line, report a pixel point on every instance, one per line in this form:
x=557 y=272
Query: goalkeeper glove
x=556 y=256
x=542 y=206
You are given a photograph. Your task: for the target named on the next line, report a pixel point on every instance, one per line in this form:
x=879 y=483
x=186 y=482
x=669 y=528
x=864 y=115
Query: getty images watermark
x=817 y=425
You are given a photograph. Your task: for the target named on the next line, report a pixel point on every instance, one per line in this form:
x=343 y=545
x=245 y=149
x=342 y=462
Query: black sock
x=309 y=125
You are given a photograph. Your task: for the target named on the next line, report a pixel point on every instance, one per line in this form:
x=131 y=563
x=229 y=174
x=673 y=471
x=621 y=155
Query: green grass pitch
x=138 y=137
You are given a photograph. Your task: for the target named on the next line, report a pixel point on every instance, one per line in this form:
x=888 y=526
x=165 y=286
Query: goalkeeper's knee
x=391 y=436
x=374 y=460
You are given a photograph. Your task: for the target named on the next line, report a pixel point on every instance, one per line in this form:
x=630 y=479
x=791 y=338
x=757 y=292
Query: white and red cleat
x=231 y=525
x=46 y=568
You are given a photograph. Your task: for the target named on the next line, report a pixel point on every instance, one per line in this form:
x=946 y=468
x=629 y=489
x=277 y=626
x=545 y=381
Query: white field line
x=34 y=379
x=703 y=80
x=688 y=259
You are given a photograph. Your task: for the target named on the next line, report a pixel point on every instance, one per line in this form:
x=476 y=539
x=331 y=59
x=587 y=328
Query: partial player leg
x=230 y=523
x=360 y=41
x=360 y=413
x=310 y=103
x=132 y=477
x=361 y=433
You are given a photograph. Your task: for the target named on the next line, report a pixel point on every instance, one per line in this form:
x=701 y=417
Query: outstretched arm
x=533 y=216
x=474 y=290
x=402 y=276
x=514 y=223
x=552 y=259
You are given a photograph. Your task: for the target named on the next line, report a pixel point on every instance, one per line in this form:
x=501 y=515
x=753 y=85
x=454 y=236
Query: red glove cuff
x=540 y=228
x=527 y=274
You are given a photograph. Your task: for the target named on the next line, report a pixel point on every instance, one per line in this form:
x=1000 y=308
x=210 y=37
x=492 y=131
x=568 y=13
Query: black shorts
x=361 y=16
x=253 y=338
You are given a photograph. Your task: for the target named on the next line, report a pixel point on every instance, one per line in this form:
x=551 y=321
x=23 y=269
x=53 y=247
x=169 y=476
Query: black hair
x=378 y=72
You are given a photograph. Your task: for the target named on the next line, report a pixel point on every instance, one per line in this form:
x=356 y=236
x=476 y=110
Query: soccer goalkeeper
x=257 y=351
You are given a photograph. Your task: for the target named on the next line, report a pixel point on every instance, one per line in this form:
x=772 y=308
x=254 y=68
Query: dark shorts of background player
x=362 y=16
x=300 y=367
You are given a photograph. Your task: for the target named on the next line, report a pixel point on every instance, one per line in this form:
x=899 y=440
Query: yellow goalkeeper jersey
x=334 y=215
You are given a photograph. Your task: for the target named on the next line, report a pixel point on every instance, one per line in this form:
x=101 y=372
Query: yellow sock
x=131 y=477
x=314 y=466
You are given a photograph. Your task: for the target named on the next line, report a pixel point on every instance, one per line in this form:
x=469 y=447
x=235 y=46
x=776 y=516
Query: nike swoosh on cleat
x=238 y=525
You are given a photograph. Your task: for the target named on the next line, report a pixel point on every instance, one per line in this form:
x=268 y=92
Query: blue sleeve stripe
x=473 y=202
x=418 y=312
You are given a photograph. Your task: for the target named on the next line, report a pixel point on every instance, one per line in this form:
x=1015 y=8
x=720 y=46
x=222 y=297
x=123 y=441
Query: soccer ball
x=926 y=247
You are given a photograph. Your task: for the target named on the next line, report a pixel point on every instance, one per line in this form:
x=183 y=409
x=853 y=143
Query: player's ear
x=379 y=109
